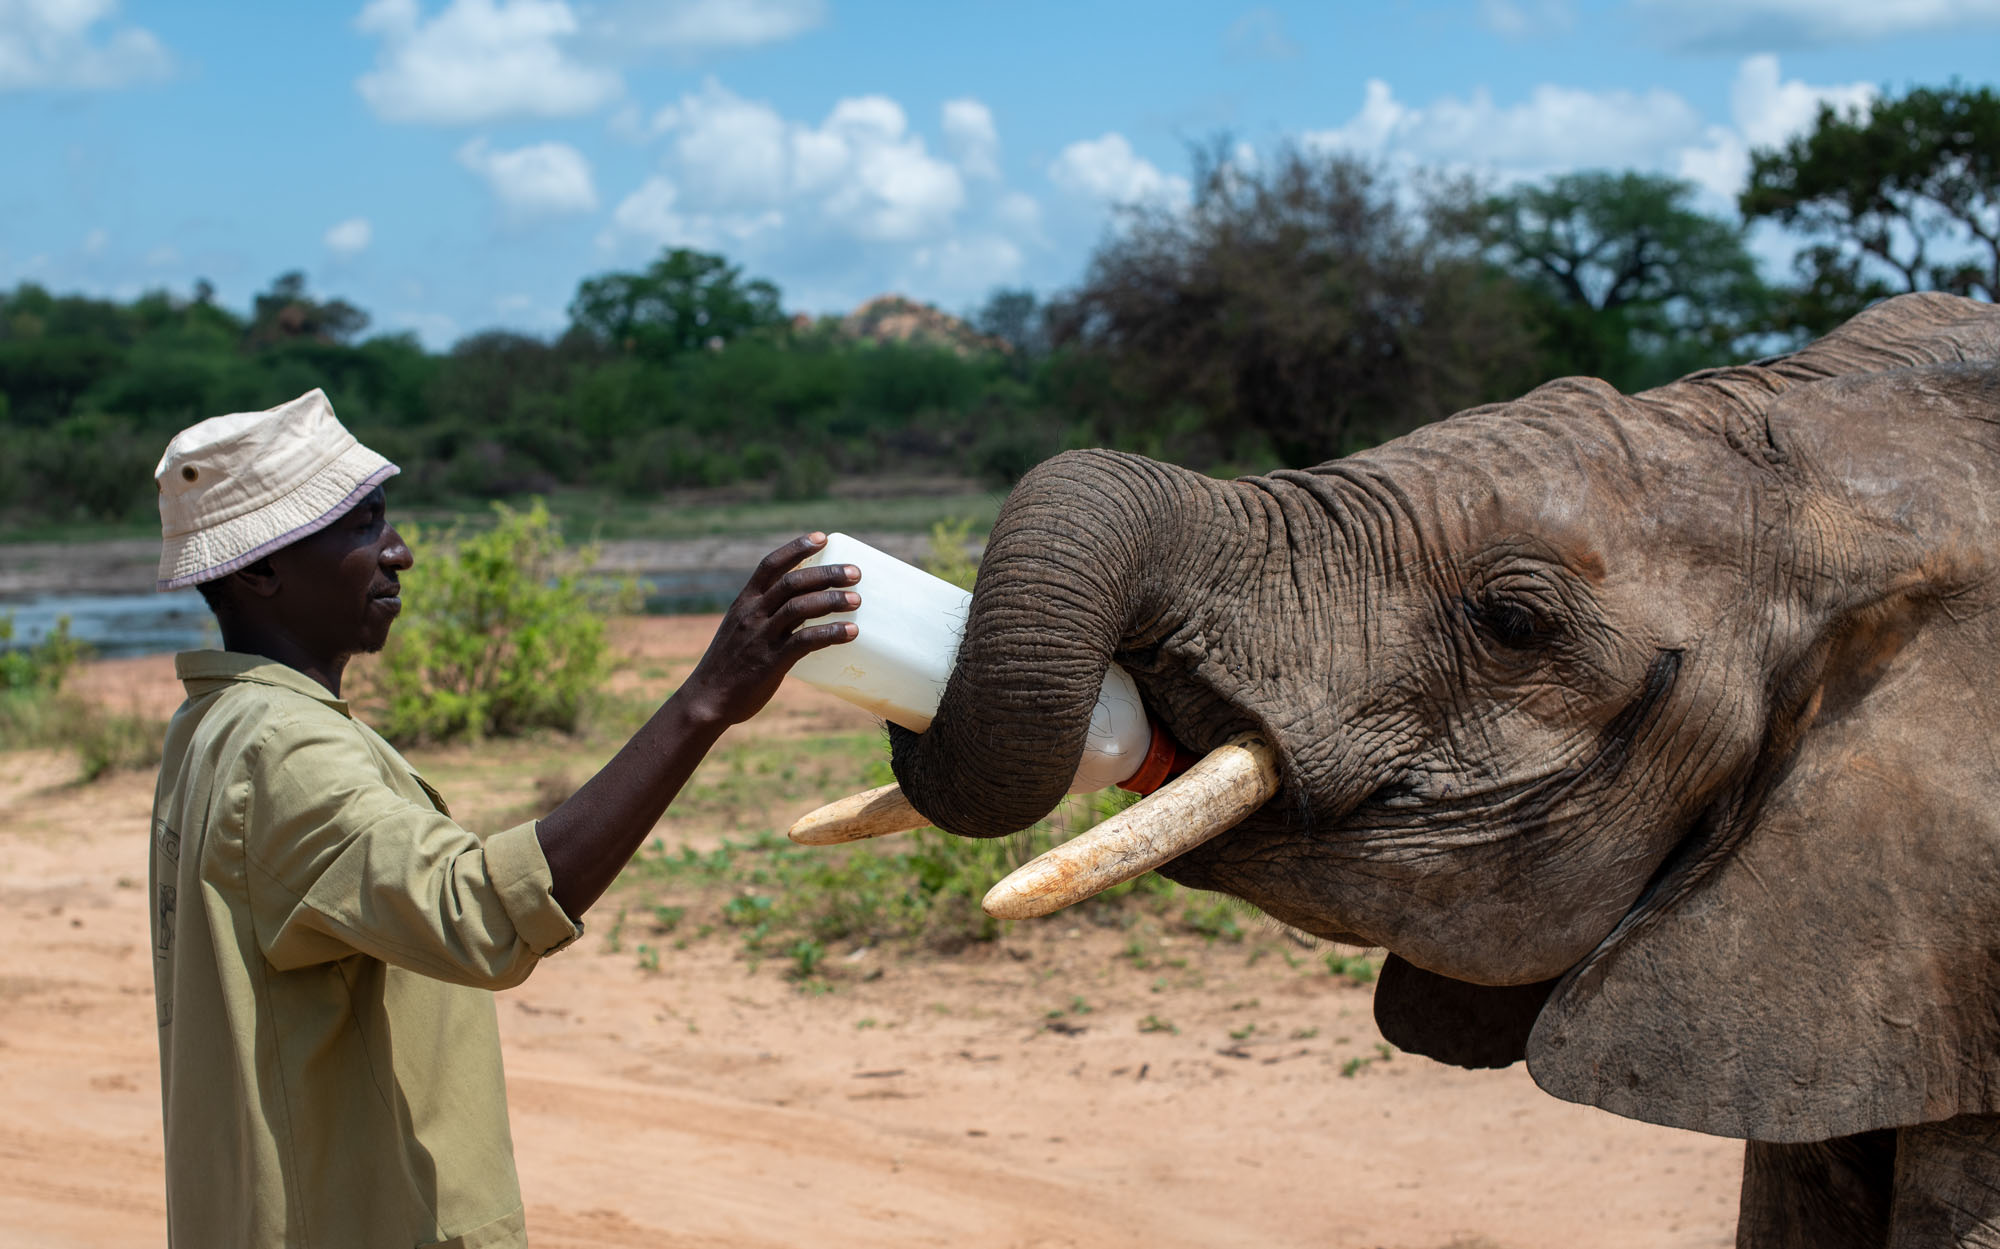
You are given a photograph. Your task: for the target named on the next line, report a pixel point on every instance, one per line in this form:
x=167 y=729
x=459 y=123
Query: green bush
x=500 y=635
x=801 y=477
x=34 y=712
x=37 y=669
x=951 y=556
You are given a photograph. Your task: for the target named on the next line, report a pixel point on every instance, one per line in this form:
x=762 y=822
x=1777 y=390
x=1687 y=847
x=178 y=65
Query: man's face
x=339 y=589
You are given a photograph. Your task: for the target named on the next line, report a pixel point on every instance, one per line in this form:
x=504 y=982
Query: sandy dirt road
x=711 y=1104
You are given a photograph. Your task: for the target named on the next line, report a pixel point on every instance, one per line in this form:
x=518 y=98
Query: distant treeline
x=1303 y=305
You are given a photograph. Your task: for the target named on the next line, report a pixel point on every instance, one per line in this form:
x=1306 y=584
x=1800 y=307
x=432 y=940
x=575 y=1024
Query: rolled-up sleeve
x=339 y=863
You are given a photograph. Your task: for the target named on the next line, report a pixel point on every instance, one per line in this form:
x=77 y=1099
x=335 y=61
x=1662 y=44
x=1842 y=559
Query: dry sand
x=711 y=1104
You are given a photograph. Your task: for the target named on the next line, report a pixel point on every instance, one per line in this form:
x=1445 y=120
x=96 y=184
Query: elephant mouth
x=1220 y=791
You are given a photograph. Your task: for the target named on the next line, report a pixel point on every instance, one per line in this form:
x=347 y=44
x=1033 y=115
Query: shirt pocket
x=437 y=799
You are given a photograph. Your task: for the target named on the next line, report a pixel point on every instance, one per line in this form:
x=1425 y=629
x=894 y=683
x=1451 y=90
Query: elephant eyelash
x=1509 y=622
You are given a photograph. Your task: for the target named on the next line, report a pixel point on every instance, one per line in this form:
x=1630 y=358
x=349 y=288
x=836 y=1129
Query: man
x=325 y=937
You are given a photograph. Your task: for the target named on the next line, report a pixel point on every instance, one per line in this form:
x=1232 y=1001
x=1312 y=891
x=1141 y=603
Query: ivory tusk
x=870 y=813
x=1209 y=799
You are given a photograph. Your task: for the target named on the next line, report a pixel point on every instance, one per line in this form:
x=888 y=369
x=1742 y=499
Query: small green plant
x=1214 y=917
x=865 y=1023
x=1383 y=1053
x=1243 y=1033
x=107 y=742
x=1356 y=968
x=1304 y=1034
x=41 y=668
x=35 y=710
x=649 y=957
x=1153 y=1023
x=614 y=937
x=951 y=558
x=806 y=955
x=668 y=918
x=501 y=636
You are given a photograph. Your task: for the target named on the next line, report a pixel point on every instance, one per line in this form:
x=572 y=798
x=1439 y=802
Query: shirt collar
x=203 y=672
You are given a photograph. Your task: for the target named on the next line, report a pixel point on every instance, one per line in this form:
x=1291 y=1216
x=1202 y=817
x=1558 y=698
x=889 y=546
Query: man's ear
x=258 y=579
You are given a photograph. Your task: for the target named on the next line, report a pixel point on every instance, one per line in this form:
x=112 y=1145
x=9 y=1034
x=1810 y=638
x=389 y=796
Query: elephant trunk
x=1073 y=571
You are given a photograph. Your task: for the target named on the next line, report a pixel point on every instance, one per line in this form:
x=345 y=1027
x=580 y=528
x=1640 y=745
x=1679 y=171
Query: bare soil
x=1033 y=1092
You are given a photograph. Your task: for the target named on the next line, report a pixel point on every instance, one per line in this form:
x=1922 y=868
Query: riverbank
x=105 y=588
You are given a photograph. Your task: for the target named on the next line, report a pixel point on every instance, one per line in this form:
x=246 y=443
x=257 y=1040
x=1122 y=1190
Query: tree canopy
x=682 y=302
x=1629 y=281
x=1298 y=301
x=1303 y=304
x=1901 y=195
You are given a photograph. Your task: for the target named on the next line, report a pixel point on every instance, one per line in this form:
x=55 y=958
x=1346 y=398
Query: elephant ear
x=1823 y=956
x=1466 y=1025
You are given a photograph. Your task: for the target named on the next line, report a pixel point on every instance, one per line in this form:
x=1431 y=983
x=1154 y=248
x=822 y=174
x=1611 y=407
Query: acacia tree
x=287 y=313
x=681 y=302
x=1628 y=280
x=1902 y=195
x=1294 y=300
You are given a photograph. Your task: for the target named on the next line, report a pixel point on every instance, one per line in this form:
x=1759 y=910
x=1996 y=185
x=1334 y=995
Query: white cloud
x=1106 y=168
x=972 y=138
x=1521 y=19
x=1555 y=128
x=738 y=151
x=163 y=256
x=1765 y=111
x=962 y=268
x=1019 y=212
x=705 y=25
x=1259 y=35
x=861 y=168
x=1769 y=110
x=95 y=242
x=1763 y=25
x=478 y=60
x=653 y=215
x=541 y=180
x=888 y=186
x=351 y=237
x=1558 y=128
x=57 y=43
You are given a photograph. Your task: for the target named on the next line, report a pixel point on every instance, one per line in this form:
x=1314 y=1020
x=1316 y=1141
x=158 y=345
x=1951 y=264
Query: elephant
x=1653 y=736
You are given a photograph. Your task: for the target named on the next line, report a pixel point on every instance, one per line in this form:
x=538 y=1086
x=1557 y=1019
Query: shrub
x=501 y=636
x=802 y=477
x=951 y=555
x=35 y=712
x=37 y=669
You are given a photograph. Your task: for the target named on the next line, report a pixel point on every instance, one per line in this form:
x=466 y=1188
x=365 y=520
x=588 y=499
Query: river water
x=151 y=623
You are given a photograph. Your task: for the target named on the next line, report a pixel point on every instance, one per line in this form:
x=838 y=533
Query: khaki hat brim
x=220 y=549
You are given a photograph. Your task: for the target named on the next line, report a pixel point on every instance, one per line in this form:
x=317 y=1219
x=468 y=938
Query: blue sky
x=451 y=165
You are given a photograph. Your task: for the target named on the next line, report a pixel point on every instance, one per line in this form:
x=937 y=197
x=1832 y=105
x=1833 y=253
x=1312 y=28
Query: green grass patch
x=35 y=712
x=800 y=903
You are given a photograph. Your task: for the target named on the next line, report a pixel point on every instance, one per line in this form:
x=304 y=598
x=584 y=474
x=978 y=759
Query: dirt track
x=707 y=1104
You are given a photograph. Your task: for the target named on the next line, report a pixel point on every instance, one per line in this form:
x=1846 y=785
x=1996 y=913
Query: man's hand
x=588 y=839
x=760 y=639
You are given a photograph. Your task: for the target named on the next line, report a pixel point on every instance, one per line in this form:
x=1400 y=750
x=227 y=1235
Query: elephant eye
x=1510 y=622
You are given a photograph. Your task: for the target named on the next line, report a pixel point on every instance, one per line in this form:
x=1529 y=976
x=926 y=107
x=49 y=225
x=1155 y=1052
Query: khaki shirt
x=324 y=942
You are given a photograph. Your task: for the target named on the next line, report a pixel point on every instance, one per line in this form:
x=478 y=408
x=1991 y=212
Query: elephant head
x=1653 y=735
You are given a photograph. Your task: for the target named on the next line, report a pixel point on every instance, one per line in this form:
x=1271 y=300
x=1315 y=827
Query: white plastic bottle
x=911 y=623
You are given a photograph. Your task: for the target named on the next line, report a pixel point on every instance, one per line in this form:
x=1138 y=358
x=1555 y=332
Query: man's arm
x=588 y=839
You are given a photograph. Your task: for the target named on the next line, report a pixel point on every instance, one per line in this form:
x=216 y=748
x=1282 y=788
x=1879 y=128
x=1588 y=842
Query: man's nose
x=396 y=553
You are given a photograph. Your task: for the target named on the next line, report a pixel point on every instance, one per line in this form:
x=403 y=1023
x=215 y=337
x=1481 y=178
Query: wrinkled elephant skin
x=1653 y=735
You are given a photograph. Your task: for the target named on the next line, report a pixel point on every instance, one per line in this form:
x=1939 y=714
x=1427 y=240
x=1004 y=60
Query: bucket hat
x=235 y=488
